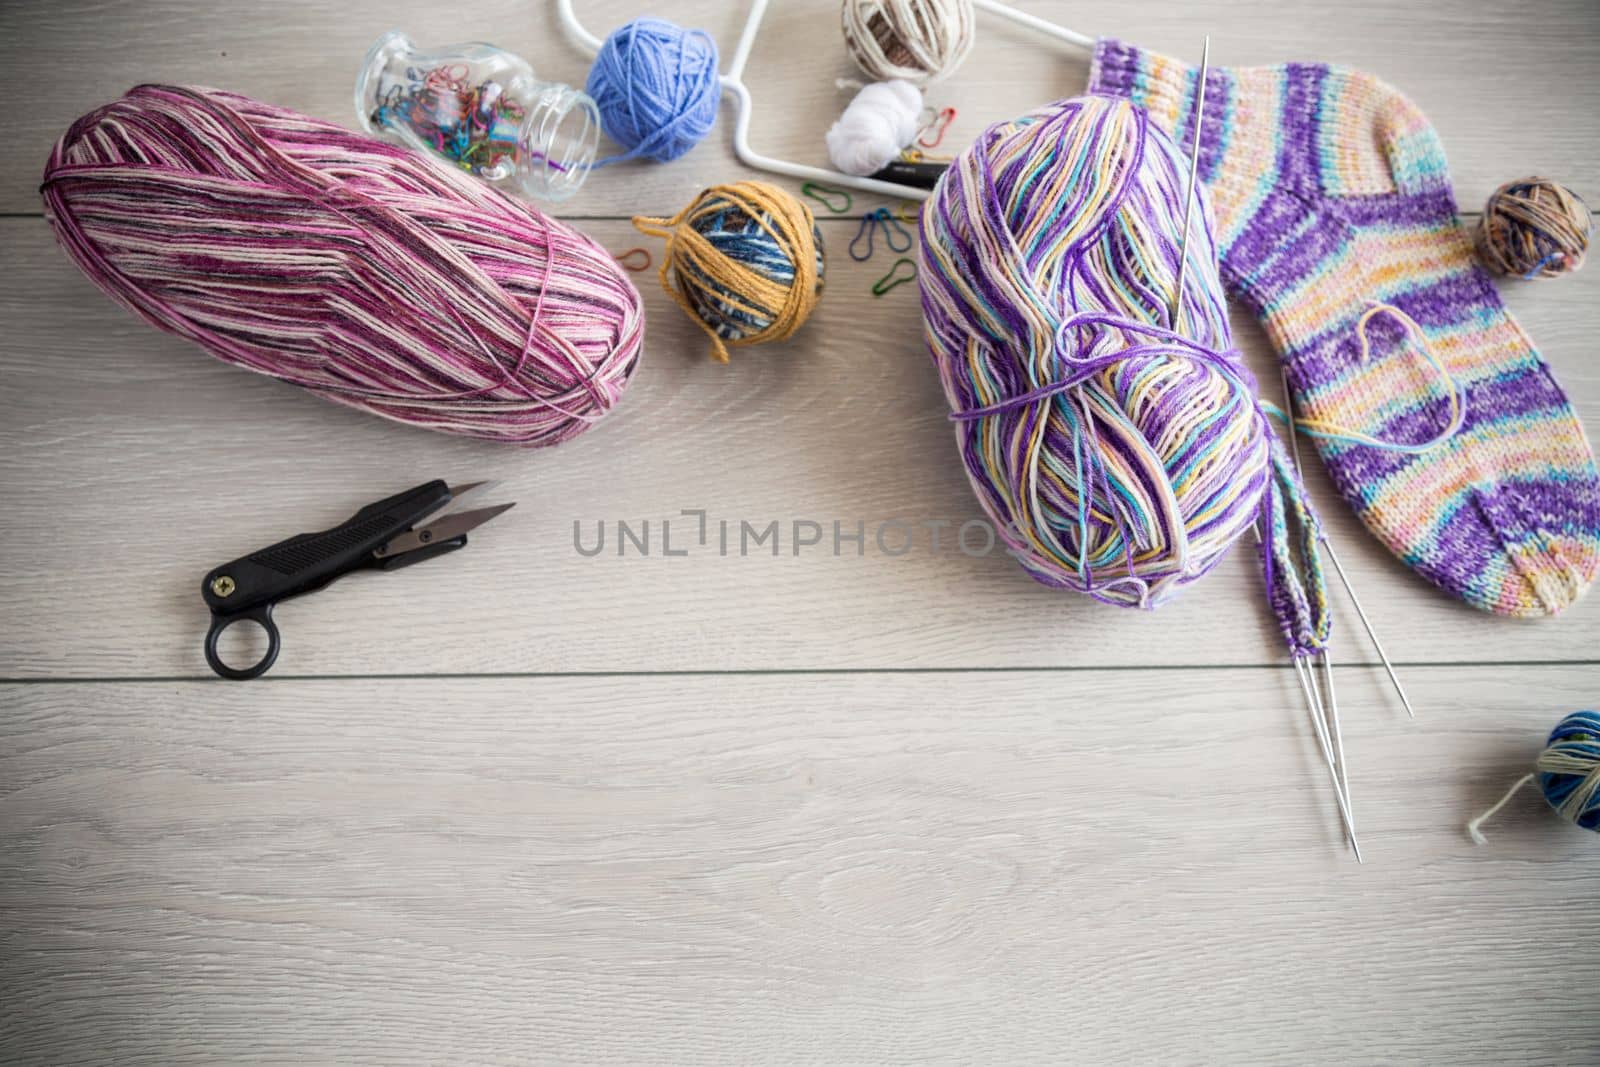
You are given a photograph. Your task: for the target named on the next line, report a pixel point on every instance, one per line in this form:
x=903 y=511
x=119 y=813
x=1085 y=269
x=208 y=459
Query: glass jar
x=482 y=109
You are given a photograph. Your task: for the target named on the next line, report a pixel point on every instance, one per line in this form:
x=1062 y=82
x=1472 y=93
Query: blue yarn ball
x=1569 y=769
x=656 y=86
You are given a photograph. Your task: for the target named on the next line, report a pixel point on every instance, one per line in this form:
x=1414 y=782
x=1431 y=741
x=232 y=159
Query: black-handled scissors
x=382 y=536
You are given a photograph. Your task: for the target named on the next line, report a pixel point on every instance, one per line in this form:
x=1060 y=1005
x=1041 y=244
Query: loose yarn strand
x=1568 y=772
x=1328 y=431
x=1472 y=827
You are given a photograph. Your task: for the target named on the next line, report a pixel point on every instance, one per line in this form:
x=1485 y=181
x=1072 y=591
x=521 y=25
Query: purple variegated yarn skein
x=364 y=272
x=1117 y=452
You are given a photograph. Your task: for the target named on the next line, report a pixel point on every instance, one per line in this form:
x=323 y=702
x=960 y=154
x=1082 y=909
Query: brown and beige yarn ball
x=919 y=41
x=1534 y=228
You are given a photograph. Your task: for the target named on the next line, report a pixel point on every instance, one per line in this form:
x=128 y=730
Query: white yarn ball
x=881 y=120
x=920 y=41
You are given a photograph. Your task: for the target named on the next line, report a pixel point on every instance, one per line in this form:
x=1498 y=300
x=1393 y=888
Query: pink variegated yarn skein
x=364 y=272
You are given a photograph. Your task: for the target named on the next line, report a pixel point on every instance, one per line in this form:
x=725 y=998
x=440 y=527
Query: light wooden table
x=532 y=806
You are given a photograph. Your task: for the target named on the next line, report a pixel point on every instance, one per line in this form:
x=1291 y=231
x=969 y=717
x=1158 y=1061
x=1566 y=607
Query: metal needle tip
x=1338 y=736
x=1366 y=623
x=1330 y=711
x=1194 y=174
x=1314 y=708
x=1308 y=681
x=1333 y=557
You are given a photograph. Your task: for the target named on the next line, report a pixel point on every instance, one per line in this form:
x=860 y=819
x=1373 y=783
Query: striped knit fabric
x=1331 y=192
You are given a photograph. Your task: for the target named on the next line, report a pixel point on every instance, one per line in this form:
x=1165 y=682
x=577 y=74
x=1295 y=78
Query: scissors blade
x=444 y=528
x=452 y=500
x=459 y=491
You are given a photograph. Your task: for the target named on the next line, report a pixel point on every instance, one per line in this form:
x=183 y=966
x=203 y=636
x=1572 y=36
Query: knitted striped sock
x=1331 y=193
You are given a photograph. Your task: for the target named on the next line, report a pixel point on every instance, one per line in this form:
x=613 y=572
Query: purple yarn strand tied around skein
x=1117 y=452
x=367 y=273
x=657 y=89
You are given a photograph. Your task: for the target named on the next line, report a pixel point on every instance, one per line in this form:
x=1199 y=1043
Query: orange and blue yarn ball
x=744 y=260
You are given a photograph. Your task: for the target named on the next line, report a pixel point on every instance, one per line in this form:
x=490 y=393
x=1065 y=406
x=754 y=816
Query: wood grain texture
x=888 y=861
x=1011 y=867
x=134 y=464
x=1533 y=109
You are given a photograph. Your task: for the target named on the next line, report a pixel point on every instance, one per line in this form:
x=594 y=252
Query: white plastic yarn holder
x=732 y=81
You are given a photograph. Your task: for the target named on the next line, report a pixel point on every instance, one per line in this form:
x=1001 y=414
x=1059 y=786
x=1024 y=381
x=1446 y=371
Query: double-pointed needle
x=1194 y=174
x=1341 y=784
x=1327 y=546
x=1331 y=708
x=1307 y=681
x=1308 y=690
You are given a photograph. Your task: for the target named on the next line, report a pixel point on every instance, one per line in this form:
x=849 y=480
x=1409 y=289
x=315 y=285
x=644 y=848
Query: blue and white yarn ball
x=1569 y=769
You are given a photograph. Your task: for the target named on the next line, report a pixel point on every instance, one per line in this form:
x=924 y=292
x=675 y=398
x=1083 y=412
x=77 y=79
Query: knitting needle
x=1319 y=725
x=1333 y=721
x=1333 y=557
x=1338 y=746
x=1194 y=174
x=1313 y=703
x=1328 y=721
x=1321 y=721
x=1367 y=623
x=1314 y=709
x=1332 y=707
x=1340 y=790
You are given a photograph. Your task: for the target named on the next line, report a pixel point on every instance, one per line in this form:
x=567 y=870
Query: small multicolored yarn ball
x=657 y=87
x=1534 y=228
x=919 y=41
x=745 y=260
x=1568 y=771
